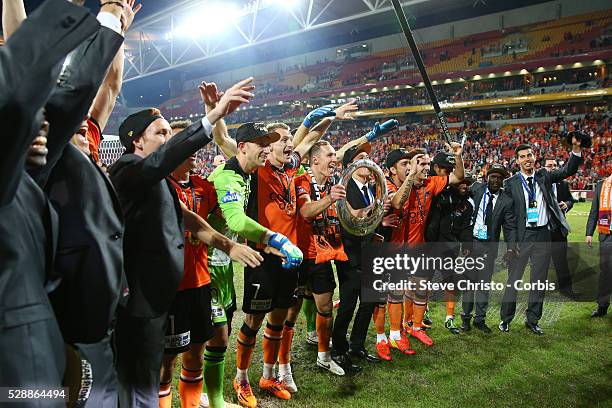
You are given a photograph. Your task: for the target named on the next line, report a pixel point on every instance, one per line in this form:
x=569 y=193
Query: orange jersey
x=200 y=197
x=419 y=203
x=94 y=135
x=273 y=200
x=319 y=239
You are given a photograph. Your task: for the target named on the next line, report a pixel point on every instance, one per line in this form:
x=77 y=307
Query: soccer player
x=418 y=190
x=319 y=237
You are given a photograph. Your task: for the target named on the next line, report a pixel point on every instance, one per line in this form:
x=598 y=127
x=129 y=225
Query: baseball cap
x=499 y=169
x=444 y=159
x=394 y=156
x=353 y=152
x=134 y=125
x=255 y=132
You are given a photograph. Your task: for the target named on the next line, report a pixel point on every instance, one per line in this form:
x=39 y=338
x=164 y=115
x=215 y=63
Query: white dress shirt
x=360 y=187
x=480 y=215
x=539 y=198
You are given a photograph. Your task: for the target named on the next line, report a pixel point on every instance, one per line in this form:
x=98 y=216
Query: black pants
x=605 y=271
x=478 y=300
x=103 y=391
x=349 y=279
x=535 y=249
x=559 y=258
x=139 y=344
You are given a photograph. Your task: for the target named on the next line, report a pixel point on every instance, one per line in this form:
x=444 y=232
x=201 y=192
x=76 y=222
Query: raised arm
x=401 y=196
x=311 y=209
x=221 y=137
x=29 y=63
x=13 y=14
x=458 y=174
x=572 y=165
x=377 y=131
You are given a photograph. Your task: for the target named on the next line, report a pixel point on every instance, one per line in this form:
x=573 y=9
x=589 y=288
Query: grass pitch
x=570 y=366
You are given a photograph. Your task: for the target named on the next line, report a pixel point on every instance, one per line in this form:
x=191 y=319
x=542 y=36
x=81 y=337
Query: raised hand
x=209 y=94
x=455 y=148
x=232 y=99
x=343 y=111
x=414 y=166
x=318 y=114
x=128 y=13
x=380 y=130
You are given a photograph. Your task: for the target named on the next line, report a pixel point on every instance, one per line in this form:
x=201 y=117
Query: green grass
x=570 y=366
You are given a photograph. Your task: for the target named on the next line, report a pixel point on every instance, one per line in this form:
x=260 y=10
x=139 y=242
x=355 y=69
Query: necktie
x=531 y=188
x=489 y=212
x=366 y=195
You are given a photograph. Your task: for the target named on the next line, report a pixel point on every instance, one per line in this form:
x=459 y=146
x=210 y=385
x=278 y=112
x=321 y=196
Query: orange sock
x=246 y=344
x=324 y=329
x=449 y=298
x=407 y=311
x=271 y=343
x=379 y=319
x=417 y=315
x=165 y=395
x=190 y=387
x=284 y=352
x=395 y=316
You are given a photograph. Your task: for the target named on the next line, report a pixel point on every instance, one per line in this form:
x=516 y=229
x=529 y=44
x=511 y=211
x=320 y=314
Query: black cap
x=585 y=139
x=394 y=156
x=444 y=159
x=134 y=125
x=499 y=169
x=354 y=151
x=255 y=131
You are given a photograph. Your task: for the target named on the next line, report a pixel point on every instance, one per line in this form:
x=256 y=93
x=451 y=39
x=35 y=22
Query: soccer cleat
x=287 y=382
x=383 y=351
x=330 y=366
x=274 y=387
x=245 y=394
x=421 y=336
x=312 y=338
x=450 y=325
x=402 y=345
x=204 y=403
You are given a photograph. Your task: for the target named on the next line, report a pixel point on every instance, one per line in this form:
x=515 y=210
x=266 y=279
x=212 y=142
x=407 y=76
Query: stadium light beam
x=212 y=18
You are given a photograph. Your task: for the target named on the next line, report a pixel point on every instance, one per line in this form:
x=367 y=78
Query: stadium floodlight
x=212 y=18
x=286 y=4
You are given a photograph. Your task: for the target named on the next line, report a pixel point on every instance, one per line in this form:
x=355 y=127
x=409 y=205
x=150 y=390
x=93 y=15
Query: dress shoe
x=601 y=311
x=535 y=328
x=482 y=326
x=344 y=361
x=364 y=355
x=504 y=327
x=465 y=324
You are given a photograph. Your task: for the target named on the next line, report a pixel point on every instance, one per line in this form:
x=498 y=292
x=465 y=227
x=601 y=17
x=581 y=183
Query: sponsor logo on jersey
x=230 y=197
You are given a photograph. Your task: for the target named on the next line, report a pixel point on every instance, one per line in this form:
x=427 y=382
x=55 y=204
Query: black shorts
x=189 y=319
x=315 y=278
x=269 y=286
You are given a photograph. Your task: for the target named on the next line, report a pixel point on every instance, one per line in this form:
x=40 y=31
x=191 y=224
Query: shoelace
x=245 y=387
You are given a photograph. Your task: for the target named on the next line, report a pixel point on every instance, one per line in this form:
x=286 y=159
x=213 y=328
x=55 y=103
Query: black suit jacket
x=503 y=214
x=154 y=232
x=513 y=187
x=89 y=259
x=28 y=62
x=353 y=243
x=564 y=194
x=593 y=219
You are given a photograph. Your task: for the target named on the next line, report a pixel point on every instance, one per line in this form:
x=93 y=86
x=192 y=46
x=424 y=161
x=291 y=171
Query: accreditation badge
x=532 y=212
x=482 y=233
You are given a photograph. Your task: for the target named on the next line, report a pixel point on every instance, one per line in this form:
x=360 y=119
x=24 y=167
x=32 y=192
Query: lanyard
x=531 y=194
x=422 y=208
x=283 y=176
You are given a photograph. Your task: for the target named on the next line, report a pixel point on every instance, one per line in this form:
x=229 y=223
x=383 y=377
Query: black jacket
x=450 y=218
x=90 y=248
x=29 y=64
x=503 y=216
x=353 y=243
x=564 y=194
x=593 y=219
x=154 y=232
x=513 y=187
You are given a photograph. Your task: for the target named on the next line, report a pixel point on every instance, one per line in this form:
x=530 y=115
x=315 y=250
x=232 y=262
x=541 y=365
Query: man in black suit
x=600 y=217
x=564 y=197
x=537 y=212
x=90 y=246
x=492 y=212
x=359 y=195
x=31 y=348
x=154 y=237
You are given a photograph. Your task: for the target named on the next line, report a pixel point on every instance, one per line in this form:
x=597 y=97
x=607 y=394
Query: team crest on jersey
x=230 y=197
